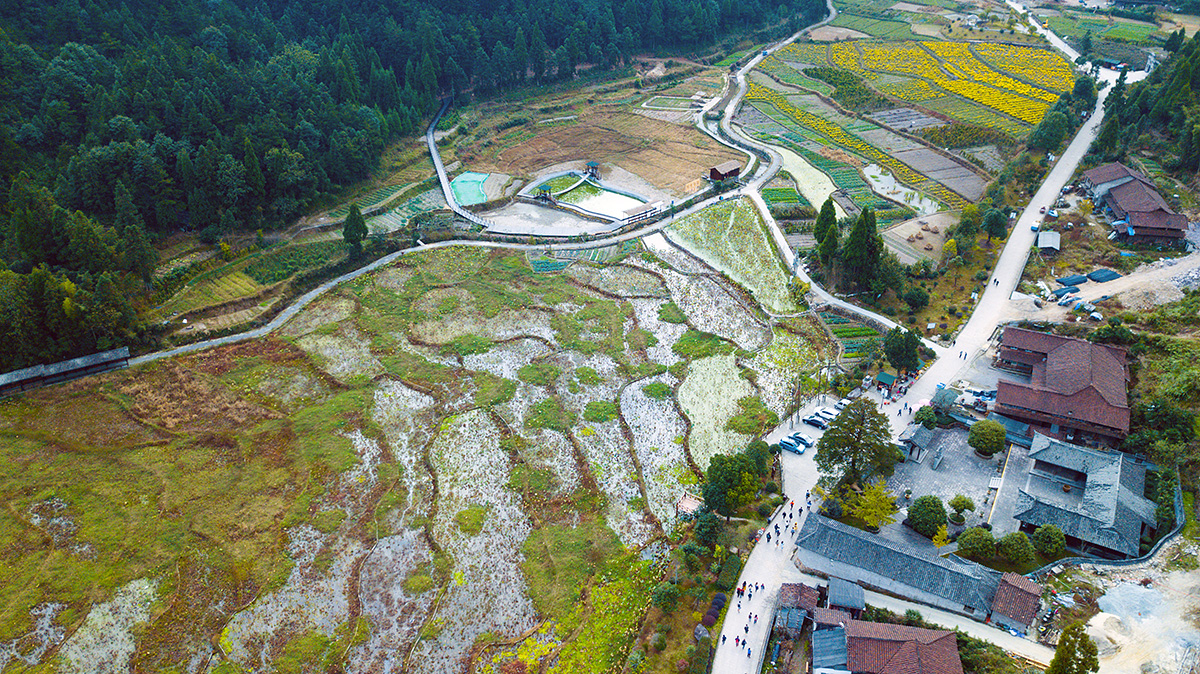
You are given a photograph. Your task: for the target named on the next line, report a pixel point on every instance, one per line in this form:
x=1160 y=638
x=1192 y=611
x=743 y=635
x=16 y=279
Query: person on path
x=746 y=628
x=737 y=641
x=739 y=606
x=768 y=537
x=722 y=638
x=747 y=653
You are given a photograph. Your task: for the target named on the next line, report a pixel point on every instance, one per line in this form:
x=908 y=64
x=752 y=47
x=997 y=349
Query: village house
x=1076 y=389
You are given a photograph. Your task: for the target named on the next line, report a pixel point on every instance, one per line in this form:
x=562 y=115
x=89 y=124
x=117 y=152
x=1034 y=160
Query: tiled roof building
x=883 y=648
x=951 y=583
x=1017 y=601
x=1095 y=496
x=1077 y=389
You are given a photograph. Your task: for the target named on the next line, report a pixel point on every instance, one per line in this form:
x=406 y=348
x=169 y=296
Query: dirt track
x=1144 y=287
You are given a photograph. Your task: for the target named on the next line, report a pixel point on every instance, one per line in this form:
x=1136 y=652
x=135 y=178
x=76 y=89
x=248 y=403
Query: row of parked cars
x=796 y=443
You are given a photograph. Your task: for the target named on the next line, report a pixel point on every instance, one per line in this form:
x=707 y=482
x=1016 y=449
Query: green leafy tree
x=995 y=224
x=927 y=417
x=926 y=514
x=1049 y=540
x=874 y=505
x=916 y=297
x=730 y=483
x=969 y=221
x=960 y=503
x=987 y=437
x=1085 y=90
x=355 y=229
x=1174 y=42
x=1050 y=132
x=1076 y=653
x=1016 y=548
x=665 y=596
x=857 y=443
x=708 y=528
x=825 y=219
x=902 y=348
x=976 y=543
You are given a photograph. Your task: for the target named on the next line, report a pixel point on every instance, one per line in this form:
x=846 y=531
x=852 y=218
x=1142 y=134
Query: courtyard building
x=1094 y=495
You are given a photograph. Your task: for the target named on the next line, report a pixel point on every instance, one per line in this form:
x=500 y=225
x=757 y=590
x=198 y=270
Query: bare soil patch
x=835 y=33
x=175 y=397
x=668 y=155
x=925 y=243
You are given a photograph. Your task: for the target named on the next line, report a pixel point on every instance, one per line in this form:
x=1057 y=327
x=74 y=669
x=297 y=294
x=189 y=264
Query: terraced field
x=452 y=463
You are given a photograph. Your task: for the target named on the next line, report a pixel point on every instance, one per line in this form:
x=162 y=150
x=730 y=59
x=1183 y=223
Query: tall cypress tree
x=825 y=219
x=355 y=229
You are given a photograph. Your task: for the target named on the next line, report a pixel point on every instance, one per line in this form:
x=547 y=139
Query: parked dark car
x=817 y=421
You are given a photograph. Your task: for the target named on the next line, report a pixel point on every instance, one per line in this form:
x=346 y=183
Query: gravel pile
x=1188 y=280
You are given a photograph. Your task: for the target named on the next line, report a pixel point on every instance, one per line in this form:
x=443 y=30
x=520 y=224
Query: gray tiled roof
x=829 y=648
x=918 y=435
x=1112 y=509
x=845 y=594
x=952 y=578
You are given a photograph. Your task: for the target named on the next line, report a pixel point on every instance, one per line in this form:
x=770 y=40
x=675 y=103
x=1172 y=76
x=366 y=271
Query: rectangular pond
x=595 y=199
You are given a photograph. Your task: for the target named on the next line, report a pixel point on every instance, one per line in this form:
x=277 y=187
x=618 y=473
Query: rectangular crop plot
x=944 y=170
x=784 y=195
x=906 y=118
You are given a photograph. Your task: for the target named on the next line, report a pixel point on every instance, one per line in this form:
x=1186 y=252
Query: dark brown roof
x=1076 y=379
x=1114 y=171
x=798 y=595
x=883 y=648
x=727 y=166
x=1142 y=222
x=829 y=616
x=1018 y=598
x=1136 y=197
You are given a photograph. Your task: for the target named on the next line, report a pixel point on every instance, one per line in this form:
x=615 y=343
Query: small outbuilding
x=1017 y=601
x=725 y=170
x=846 y=596
x=1049 y=242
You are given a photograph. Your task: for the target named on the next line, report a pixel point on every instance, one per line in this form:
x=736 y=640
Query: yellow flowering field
x=1041 y=66
x=1019 y=82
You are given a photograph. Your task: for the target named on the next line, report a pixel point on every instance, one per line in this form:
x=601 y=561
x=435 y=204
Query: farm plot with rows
x=453 y=462
x=827 y=133
x=1000 y=87
x=857 y=339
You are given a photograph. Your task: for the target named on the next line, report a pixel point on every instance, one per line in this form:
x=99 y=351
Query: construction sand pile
x=1148 y=628
x=1144 y=299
